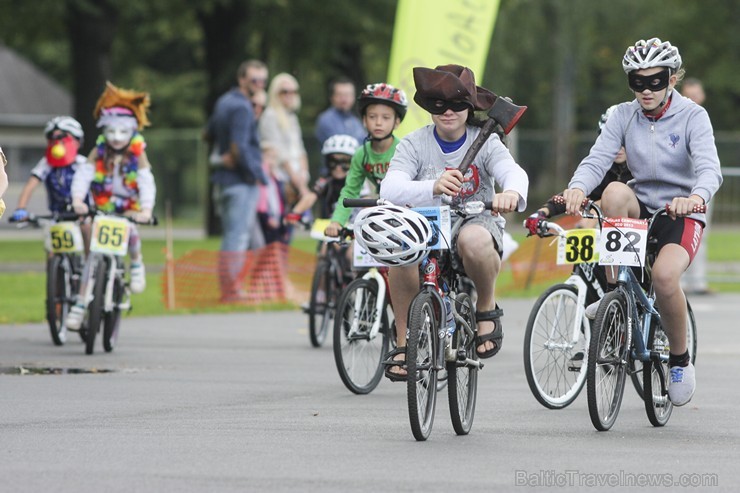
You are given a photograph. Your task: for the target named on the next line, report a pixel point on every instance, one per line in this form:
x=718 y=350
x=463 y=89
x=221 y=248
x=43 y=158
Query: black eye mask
x=654 y=83
x=439 y=106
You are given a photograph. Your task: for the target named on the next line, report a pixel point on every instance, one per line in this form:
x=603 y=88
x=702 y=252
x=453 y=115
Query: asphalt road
x=243 y=403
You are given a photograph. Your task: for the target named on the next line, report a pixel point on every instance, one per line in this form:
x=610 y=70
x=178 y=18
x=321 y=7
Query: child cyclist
x=671 y=154
x=55 y=170
x=119 y=177
x=382 y=108
x=337 y=152
x=424 y=168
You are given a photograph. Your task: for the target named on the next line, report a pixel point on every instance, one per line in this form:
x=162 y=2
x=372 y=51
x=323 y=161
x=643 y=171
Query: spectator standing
x=255 y=75
x=695 y=278
x=280 y=131
x=233 y=129
x=339 y=119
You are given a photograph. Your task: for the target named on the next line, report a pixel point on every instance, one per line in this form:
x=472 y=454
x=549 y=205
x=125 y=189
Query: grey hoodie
x=672 y=157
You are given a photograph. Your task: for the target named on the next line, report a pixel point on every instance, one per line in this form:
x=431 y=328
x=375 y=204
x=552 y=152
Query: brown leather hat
x=449 y=83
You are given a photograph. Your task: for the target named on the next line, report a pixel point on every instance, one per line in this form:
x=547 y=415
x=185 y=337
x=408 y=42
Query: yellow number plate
x=110 y=235
x=64 y=237
x=578 y=247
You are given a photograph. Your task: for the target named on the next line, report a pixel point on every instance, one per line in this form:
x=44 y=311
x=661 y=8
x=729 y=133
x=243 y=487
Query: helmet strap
x=379 y=139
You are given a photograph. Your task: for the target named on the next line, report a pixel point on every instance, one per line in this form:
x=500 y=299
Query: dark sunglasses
x=256 y=80
x=344 y=163
x=288 y=91
x=653 y=83
x=439 y=106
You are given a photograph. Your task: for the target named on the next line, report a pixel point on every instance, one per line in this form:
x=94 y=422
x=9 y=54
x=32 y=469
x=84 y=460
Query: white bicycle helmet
x=340 y=144
x=605 y=116
x=393 y=235
x=651 y=53
x=65 y=124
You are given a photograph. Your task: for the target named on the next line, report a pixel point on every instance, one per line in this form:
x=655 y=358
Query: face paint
x=62 y=151
x=654 y=83
x=118 y=137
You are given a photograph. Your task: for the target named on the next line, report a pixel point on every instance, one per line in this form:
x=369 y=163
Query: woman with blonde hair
x=280 y=130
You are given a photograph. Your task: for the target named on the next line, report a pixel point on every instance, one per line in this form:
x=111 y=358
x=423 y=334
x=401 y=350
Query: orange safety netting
x=275 y=273
x=534 y=261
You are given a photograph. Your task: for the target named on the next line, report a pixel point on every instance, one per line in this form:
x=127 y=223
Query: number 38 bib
x=623 y=242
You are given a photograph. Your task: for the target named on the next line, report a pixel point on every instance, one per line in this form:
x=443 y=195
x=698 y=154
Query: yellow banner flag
x=428 y=33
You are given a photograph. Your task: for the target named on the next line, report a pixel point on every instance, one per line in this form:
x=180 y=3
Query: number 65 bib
x=110 y=235
x=623 y=242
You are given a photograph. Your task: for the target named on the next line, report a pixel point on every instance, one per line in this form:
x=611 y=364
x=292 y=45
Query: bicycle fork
x=372 y=274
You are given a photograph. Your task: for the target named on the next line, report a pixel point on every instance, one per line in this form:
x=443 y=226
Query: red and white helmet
x=383 y=93
x=651 y=53
x=393 y=235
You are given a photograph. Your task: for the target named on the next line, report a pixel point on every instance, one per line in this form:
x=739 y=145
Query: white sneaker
x=75 y=317
x=138 y=278
x=592 y=309
x=682 y=384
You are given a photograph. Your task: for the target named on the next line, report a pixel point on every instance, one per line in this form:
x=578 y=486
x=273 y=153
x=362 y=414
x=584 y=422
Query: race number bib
x=623 y=242
x=361 y=258
x=64 y=237
x=440 y=221
x=578 y=247
x=110 y=235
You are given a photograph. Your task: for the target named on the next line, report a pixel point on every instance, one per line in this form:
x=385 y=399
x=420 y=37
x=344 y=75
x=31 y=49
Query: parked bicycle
x=63 y=241
x=628 y=329
x=107 y=292
x=441 y=331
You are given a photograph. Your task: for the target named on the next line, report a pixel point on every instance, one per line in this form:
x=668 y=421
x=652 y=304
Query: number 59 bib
x=623 y=242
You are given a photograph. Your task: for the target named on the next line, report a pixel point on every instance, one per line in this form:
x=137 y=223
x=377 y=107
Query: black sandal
x=389 y=363
x=497 y=336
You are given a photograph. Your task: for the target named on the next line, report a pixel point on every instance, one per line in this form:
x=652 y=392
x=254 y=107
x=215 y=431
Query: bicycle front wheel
x=358 y=356
x=321 y=307
x=556 y=347
x=58 y=297
x=655 y=377
x=463 y=377
x=607 y=360
x=97 y=305
x=421 y=346
x=112 y=319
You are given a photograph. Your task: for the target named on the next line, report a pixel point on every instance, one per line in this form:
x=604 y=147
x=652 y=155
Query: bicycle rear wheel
x=636 y=365
x=357 y=356
x=421 y=384
x=58 y=297
x=462 y=377
x=112 y=320
x=607 y=360
x=554 y=363
x=322 y=303
x=97 y=305
x=655 y=377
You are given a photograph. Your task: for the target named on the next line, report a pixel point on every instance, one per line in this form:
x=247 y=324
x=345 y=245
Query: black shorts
x=683 y=231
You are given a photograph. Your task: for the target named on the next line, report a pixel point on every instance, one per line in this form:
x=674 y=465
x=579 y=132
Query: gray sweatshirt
x=672 y=157
x=419 y=162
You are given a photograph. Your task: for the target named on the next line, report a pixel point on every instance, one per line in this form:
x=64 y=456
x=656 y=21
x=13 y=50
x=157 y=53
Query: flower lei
x=102 y=184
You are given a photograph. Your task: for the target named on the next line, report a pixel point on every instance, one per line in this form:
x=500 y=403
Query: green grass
x=23 y=296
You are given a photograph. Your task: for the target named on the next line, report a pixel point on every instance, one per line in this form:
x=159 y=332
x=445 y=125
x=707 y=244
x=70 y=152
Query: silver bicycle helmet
x=340 y=144
x=65 y=124
x=393 y=236
x=651 y=53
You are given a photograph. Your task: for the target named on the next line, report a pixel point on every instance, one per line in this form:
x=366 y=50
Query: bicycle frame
x=635 y=295
x=381 y=280
x=114 y=270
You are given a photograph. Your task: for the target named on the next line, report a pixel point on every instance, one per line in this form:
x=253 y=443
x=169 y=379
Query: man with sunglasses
x=669 y=142
x=425 y=167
